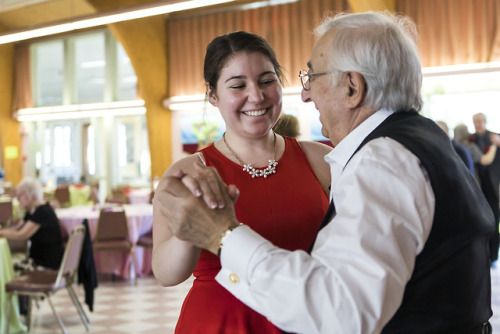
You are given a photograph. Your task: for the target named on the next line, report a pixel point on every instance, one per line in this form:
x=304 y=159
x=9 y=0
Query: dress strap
x=202 y=158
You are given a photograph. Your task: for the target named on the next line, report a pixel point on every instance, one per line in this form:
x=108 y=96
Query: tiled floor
x=121 y=308
x=495 y=299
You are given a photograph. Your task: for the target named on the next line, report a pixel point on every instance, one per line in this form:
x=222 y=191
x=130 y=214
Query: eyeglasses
x=306 y=78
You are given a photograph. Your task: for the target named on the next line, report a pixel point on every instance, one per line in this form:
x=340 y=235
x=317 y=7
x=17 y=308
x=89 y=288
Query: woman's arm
x=173 y=259
x=315 y=153
x=24 y=233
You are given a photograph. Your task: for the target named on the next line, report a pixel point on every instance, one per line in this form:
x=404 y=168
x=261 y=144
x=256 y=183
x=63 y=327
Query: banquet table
x=138 y=195
x=140 y=222
x=6 y=275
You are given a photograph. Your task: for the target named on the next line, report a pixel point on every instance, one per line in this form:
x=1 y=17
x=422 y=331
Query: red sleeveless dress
x=286 y=208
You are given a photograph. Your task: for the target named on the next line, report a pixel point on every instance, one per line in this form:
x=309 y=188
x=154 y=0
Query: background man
x=489 y=176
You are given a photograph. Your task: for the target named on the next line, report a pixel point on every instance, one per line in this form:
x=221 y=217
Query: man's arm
x=354 y=279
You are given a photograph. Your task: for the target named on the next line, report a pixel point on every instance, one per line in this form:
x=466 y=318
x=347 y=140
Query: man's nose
x=305 y=95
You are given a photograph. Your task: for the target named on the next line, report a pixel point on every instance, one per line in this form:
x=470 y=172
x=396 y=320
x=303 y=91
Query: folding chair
x=45 y=283
x=112 y=234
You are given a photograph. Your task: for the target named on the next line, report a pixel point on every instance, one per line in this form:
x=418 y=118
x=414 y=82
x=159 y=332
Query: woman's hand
x=206 y=183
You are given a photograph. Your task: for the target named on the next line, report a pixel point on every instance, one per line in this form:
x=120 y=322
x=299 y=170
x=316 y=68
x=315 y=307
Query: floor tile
x=148 y=308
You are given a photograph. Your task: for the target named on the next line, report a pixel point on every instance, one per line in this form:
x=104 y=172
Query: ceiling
x=23 y=14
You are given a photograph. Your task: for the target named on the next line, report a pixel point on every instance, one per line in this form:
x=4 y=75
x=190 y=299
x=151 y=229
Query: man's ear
x=356 y=86
x=212 y=96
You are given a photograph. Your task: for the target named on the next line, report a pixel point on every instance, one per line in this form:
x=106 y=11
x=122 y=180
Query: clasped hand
x=199 y=207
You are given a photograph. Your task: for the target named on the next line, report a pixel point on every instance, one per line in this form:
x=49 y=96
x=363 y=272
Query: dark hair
x=223 y=47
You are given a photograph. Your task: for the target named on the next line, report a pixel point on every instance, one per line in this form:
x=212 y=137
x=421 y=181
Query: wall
x=9 y=127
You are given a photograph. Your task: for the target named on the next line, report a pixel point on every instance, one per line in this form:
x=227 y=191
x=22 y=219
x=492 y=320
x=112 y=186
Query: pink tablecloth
x=140 y=195
x=140 y=222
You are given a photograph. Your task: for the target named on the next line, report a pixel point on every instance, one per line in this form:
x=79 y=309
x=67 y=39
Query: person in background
x=287 y=125
x=489 y=176
x=461 y=150
x=285 y=181
x=462 y=136
x=404 y=248
x=40 y=226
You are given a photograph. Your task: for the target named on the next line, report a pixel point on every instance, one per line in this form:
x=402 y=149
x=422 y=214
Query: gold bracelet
x=224 y=235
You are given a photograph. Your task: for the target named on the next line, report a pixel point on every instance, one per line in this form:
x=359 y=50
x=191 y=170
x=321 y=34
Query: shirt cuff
x=236 y=255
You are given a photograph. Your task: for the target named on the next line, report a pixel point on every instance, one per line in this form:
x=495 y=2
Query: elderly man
x=404 y=248
x=489 y=175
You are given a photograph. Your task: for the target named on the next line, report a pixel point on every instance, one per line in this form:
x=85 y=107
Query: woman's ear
x=212 y=96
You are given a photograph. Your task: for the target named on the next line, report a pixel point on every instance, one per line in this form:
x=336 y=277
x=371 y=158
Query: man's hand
x=188 y=203
x=495 y=139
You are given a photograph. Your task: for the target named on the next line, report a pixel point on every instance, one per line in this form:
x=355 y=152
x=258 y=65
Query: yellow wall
x=366 y=5
x=10 y=138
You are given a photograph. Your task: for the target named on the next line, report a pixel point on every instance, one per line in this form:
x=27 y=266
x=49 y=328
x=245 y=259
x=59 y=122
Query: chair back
x=72 y=253
x=5 y=211
x=62 y=196
x=112 y=225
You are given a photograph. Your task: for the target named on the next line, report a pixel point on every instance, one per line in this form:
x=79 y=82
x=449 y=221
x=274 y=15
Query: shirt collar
x=341 y=154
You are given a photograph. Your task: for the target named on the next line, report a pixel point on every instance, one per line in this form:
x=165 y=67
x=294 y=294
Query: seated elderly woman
x=40 y=225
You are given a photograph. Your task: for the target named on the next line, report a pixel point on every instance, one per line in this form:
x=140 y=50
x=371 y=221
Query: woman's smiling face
x=248 y=94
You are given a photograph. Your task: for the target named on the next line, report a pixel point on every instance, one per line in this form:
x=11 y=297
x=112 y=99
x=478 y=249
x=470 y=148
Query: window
x=81 y=69
x=69 y=73
x=127 y=81
x=48 y=80
x=90 y=68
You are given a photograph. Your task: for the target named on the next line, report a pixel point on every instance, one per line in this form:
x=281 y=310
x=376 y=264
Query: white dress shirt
x=354 y=279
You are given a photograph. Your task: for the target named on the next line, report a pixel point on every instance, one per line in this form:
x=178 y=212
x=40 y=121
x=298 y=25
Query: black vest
x=449 y=290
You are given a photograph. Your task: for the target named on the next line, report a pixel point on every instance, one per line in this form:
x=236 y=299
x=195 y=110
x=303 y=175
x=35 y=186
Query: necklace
x=270 y=169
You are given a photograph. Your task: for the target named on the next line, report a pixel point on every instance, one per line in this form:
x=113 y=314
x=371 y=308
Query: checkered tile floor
x=119 y=308
x=495 y=298
x=148 y=308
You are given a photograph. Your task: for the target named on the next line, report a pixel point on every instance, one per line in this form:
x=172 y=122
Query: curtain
x=22 y=97
x=455 y=31
x=287 y=27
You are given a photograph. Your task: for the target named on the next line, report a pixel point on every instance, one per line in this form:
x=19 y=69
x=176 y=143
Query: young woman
x=283 y=182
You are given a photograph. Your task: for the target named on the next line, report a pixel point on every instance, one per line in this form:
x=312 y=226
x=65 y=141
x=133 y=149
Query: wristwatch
x=224 y=235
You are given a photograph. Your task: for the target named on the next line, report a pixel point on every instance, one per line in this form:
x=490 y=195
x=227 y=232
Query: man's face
x=328 y=98
x=479 y=123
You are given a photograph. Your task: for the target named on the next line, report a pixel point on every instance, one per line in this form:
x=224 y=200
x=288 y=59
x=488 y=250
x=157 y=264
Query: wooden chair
x=45 y=283
x=112 y=234
x=146 y=240
x=117 y=196
x=62 y=196
x=6 y=212
x=151 y=196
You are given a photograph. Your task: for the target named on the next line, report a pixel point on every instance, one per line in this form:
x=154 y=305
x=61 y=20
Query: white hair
x=381 y=47
x=32 y=188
